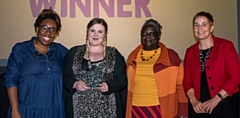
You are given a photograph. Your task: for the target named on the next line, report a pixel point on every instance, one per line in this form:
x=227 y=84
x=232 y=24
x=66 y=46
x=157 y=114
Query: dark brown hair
x=204 y=14
x=98 y=21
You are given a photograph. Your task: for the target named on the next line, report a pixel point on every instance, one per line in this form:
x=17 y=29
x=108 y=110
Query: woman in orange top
x=155 y=76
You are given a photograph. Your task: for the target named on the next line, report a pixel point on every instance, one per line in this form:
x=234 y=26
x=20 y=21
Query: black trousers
x=4 y=104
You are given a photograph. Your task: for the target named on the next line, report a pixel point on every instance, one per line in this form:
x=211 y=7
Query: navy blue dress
x=38 y=78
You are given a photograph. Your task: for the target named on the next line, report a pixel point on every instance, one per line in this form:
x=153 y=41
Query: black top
x=204 y=90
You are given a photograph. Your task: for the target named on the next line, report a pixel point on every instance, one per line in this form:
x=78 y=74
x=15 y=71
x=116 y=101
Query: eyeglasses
x=45 y=28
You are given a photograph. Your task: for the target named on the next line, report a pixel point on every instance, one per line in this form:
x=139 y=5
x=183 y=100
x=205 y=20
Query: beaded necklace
x=147 y=59
x=203 y=58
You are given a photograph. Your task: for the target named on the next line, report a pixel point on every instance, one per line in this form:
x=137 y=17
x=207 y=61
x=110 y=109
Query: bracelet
x=220 y=96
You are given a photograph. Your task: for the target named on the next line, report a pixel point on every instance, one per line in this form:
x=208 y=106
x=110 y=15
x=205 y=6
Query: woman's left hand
x=103 y=87
x=211 y=104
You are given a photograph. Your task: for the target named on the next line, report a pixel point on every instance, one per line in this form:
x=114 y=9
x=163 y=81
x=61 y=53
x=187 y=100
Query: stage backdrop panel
x=124 y=18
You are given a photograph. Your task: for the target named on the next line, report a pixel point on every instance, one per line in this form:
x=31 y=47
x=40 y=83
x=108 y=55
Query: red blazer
x=222 y=68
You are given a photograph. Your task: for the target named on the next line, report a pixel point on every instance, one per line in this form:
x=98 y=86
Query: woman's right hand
x=16 y=114
x=80 y=86
x=13 y=99
x=198 y=106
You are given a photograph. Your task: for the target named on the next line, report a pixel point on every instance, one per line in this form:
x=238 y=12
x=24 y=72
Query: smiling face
x=149 y=37
x=96 y=34
x=203 y=28
x=46 y=32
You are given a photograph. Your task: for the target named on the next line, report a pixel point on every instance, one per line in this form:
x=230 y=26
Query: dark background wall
x=3 y=95
x=238 y=11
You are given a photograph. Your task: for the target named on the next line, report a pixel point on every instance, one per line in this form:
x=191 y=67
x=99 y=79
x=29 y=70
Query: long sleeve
x=68 y=75
x=232 y=69
x=182 y=99
x=119 y=77
x=12 y=76
x=187 y=82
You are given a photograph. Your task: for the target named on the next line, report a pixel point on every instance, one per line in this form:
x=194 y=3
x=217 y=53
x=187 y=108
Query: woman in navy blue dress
x=34 y=72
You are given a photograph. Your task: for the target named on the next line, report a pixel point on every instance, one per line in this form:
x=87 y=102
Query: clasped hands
x=207 y=106
x=81 y=86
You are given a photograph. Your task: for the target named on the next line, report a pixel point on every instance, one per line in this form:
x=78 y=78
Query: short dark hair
x=155 y=24
x=204 y=14
x=98 y=21
x=48 y=14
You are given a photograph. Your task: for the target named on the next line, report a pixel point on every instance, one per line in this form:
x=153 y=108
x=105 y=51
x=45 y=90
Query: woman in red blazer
x=211 y=73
